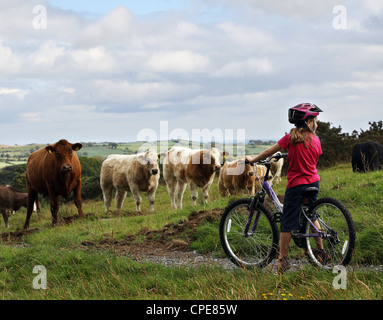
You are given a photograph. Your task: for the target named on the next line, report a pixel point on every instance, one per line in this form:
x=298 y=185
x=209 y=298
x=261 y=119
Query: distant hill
x=13 y=155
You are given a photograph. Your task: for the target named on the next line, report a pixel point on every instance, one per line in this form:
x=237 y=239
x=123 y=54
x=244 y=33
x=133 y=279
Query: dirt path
x=169 y=246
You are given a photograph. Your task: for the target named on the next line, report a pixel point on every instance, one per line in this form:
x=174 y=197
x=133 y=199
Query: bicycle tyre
x=256 y=250
x=339 y=245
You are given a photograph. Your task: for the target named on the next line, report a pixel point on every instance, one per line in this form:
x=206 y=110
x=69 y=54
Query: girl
x=304 y=149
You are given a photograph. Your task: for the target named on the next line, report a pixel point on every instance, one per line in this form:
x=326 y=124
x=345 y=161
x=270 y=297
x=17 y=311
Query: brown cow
x=11 y=200
x=196 y=168
x=236 y=177
x=54 y=171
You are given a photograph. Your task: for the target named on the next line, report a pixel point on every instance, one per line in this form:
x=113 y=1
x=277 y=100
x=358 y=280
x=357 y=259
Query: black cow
x=367 y=156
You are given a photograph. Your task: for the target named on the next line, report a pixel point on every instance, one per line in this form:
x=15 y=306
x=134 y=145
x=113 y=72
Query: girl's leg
x=283 y=263
x=318 y=240
x=284 y=244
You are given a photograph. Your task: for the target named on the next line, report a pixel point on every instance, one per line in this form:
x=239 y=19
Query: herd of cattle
x=55 y=171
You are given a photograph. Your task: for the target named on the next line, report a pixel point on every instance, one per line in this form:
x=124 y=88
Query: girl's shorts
x=292 y=206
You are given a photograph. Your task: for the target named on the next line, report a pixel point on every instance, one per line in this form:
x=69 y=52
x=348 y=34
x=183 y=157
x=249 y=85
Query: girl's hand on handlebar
x=249 y=160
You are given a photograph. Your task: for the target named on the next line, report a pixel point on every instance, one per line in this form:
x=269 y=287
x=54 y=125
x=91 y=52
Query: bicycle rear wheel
x=339 y=241
x=256 y=249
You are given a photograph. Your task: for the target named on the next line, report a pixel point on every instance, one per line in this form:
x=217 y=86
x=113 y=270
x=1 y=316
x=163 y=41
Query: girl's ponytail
x=301 y=134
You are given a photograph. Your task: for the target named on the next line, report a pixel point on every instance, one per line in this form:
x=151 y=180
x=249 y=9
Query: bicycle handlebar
x=277 y=157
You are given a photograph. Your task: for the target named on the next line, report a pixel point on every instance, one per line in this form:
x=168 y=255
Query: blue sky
x=116 y=70
x=102 y=7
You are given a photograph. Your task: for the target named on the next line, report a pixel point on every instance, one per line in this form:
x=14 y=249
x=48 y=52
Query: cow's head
x=240 y=168
x=245 y=169
x=63 y=152
x=149 y=160
x=212 y=157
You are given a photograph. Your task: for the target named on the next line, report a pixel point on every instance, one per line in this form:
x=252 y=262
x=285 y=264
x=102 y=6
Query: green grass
x=75 y=271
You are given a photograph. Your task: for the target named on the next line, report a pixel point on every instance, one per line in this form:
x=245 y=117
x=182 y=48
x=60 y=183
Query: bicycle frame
x=274 y=199
x=266 y=188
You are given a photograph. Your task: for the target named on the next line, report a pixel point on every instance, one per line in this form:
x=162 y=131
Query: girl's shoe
x=283 y=265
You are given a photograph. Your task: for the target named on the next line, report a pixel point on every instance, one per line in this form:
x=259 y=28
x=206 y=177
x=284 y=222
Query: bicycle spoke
x=251 y=249
x=339 y=234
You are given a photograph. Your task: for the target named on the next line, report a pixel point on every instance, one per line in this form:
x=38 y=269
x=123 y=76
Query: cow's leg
x=171 y=186
x=120 y=197
x=151 y=198
x=222 y=190
x=252 y=189
x=107 y=194
x=137 y=198
x=193 y=192
x=230 y=191
x=205 y=192
x=180 y=190
x=32 y=196
x=38 y=207
x=77 y=199
x=55 y=205
x=5 y=217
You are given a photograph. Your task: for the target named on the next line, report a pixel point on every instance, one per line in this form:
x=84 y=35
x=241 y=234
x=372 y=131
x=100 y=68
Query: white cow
x=196 y=168
x=137 y=173
x=276 y=170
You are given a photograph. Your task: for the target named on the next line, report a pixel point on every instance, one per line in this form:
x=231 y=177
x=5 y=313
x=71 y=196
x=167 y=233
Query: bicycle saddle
x=310 y=191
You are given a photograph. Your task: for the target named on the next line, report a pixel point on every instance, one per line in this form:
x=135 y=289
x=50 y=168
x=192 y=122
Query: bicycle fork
x=252 y=205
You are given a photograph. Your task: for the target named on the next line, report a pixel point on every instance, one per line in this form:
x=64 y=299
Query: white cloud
x=117 y=26
x=374 y=6
x=46 y=55
x=101 y=77
x=19 y=93
x=9 y=63
x=183 y=61
x=250 y=67
x=91 y=60
x=297 y=9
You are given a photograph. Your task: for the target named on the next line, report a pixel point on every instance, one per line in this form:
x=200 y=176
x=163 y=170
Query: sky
x=122 y=71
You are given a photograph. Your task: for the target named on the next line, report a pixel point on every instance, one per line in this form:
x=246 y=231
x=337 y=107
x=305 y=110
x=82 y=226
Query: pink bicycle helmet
x=302 y=112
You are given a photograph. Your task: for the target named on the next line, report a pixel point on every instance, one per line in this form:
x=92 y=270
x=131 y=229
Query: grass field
x=75 y=271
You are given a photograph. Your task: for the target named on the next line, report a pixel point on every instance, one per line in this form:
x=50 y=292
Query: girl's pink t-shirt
x=302 y=161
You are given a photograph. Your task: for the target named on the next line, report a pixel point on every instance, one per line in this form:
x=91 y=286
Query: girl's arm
x=265 y=154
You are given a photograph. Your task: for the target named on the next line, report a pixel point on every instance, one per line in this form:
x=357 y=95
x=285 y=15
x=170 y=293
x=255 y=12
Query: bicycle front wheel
x=258 y=247
x=338 y=242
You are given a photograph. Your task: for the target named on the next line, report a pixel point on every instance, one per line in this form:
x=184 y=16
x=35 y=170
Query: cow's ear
x=50 y=149
x=142 y=159
x=76 y=146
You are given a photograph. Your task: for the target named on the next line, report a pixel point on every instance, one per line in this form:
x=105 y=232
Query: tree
x=374 y=133
x=90 y=177
x=112 y=145
x=336 y=146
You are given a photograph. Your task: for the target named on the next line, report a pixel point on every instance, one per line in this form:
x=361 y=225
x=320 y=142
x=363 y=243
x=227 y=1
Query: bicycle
x=249 y=233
